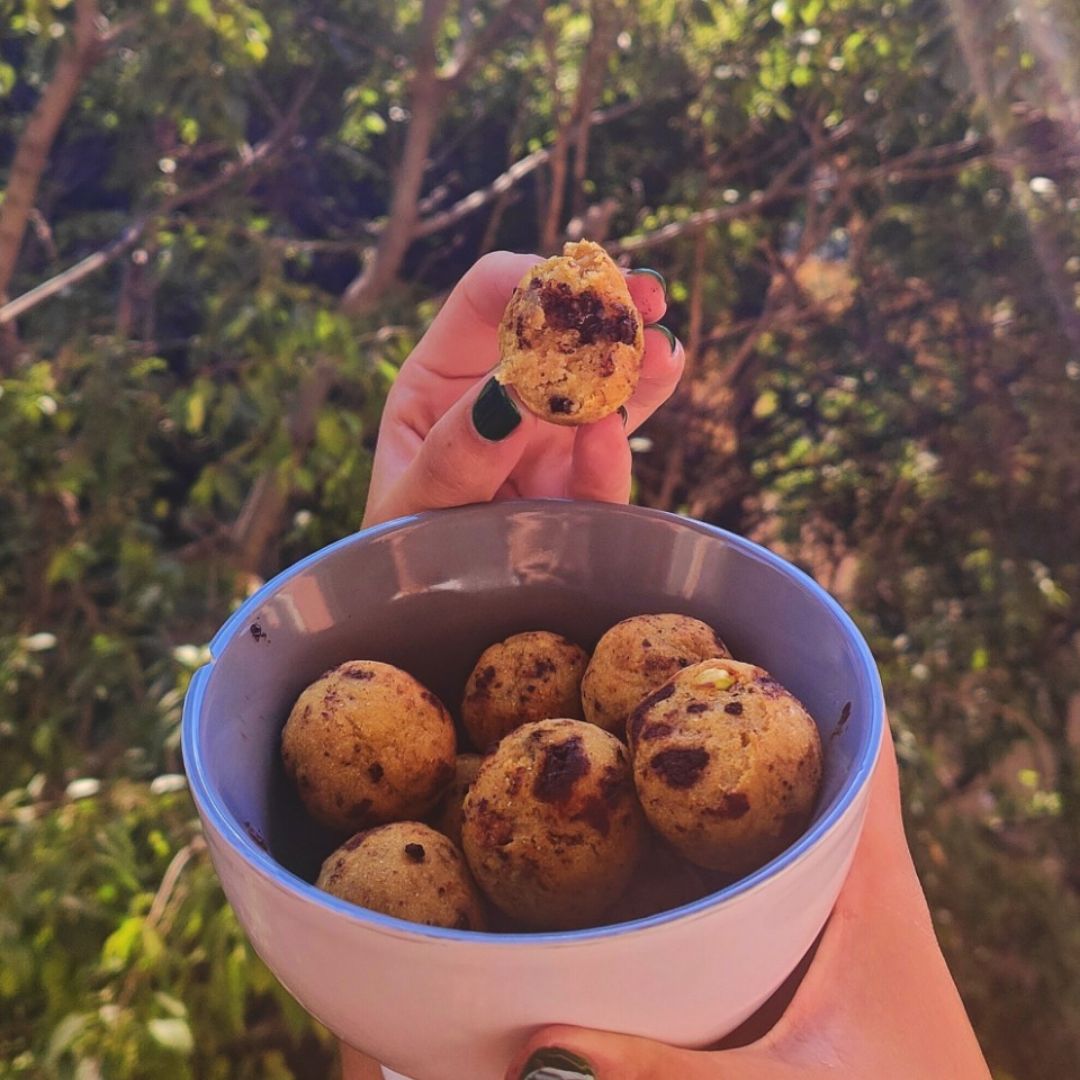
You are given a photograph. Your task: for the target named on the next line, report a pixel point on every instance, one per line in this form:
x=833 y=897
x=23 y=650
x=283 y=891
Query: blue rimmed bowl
x=429 y=593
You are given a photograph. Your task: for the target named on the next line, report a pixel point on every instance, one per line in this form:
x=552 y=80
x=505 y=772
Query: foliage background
x=868 y=215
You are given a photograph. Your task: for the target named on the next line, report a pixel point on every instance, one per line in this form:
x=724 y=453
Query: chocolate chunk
x=415 y=852
x=484 y=680
x=637 y=717
x=358 y=673
x=845 y=713
x=731 y=807
x=562 y=406
x=595 y=813
x=680 y=768
x=541 y=668
x=697 y=707
x=585 y=313
x=375 y=771
x=655 y=731
x=257 y=837
x=733 y=708
x=564 y=764
x=355 y=841
x=257 y=632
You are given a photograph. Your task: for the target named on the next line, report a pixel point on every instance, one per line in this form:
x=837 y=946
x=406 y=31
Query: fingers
x=600 y=466
x=461 y=341
x=648 y=290
x=661 y=368
x=465 y=458
x=576 y=1054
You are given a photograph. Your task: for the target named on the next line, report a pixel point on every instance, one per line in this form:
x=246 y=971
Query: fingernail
x=552 y=1063
x=652 y=273
x=494 y=414
x=671 y=339
x=624 y=416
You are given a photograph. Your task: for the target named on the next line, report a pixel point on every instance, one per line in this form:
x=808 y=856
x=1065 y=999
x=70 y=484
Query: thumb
x=465 y=457
x=568 y=1053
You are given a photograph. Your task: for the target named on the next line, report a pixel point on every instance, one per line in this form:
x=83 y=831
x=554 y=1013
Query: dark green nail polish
x=624 y=416
x=671 y=339
x=551 y=1063
x=652 y=273
x=494 y=415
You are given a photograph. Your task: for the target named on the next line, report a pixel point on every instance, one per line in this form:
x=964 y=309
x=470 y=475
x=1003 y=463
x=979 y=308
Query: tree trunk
x=36 y=140
x=427 y=98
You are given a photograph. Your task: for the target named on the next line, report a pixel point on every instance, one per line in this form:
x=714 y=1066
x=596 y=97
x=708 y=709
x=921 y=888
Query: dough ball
x=552 y=826
x=571 y=339
x=407 y=870
x=451 y=809
x=727 y=764
x=530 y=676
x=638 y=655
x=366 y=744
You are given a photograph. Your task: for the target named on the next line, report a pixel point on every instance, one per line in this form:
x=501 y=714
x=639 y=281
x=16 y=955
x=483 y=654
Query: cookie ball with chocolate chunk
x=407 y=870
x=571 y=339
x=451 y=809
x=366 y=744
x=727 y=764
x=635 y=657
x=552 y=825
x=531 y=676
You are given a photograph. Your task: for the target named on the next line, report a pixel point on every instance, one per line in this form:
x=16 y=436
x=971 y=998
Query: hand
x=877 y=1000
x=450 y=435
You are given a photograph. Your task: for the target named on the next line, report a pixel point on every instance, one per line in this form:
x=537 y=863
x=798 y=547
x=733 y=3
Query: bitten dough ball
x=407 y=870
x=552 y=826
x=451 y=809
x=530 y=676
x=727 y=764
x=571 y=339
x=638 y=655
x=366 y=744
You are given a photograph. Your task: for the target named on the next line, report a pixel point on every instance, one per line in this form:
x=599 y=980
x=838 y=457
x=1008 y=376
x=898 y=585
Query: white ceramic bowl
x=428 y=593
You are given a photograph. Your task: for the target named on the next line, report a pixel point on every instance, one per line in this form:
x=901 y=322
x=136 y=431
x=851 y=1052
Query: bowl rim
x=219 y=818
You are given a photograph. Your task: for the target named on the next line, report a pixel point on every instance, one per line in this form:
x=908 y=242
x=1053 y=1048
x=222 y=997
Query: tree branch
x=32 y=151
x=252 y=159
x=513 y=175
x=476 y=46
x=943 y=160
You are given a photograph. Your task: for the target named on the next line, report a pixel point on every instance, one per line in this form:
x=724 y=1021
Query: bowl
x=429 y=593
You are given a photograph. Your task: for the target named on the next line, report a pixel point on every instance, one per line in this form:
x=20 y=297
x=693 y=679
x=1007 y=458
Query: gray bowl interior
x=430 y=593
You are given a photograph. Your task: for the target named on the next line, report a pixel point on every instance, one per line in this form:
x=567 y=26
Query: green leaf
x=173 y=1033
x=64 y=1034
x=766 y=404
x=173 y=1006
x=120 y=944
x=195 y=416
